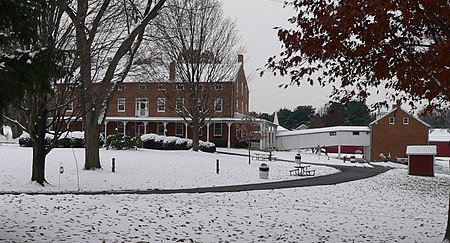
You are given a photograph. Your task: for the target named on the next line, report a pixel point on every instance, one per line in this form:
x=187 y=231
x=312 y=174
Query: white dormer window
x=142 y=87
x=180 y=86
x=391 y=120
x=405 y=120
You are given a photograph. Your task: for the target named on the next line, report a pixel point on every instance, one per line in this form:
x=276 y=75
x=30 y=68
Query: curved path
x=347 y=174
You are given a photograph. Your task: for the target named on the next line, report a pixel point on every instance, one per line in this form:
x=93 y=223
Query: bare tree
x=248 y=132
x=193 y=42
x=108 y=34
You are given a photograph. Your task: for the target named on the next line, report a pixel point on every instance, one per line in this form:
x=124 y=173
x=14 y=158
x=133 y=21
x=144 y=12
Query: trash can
x=263 y=171
x=298 y=158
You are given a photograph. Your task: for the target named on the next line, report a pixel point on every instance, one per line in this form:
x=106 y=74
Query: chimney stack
x=241 y=59
x=172 y=71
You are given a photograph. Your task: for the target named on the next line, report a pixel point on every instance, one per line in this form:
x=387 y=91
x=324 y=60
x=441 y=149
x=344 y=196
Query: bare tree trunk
x=38 y=139
x=447 y=232
x=92 y=142
x=38 y=172
x=195 y=135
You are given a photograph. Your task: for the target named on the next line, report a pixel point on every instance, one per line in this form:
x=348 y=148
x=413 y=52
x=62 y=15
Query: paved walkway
x=348 y=173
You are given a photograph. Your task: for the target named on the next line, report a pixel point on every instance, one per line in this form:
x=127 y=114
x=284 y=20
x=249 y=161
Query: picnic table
x=302 y=170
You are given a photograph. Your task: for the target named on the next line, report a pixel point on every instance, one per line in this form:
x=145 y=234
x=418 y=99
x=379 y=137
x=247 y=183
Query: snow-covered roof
x=160 y=73
x=326 y=129
x=439 y=135
x=421 y=150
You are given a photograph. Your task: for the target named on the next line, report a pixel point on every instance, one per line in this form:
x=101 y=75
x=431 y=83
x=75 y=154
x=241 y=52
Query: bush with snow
x=154 y=141
x=119 y=142
x=66 y=140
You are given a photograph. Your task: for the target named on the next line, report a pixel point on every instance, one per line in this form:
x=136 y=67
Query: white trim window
x=405 y=120
x=179 y=129
x=121 y=87
x=160 y=129
x=179 y=104
x=219 y=87
x=180 y=86
x=69 y=107
x=199 y=104
x=120 y=127
x=121 y=105
x=218 y=105
x=391 y=120
x=161 y=105
x=161 y=87
x=141 y=107
x=217 y=129
x=142 y=87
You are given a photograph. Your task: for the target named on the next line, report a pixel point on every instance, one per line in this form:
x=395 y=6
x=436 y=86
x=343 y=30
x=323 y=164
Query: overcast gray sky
x=255 y=20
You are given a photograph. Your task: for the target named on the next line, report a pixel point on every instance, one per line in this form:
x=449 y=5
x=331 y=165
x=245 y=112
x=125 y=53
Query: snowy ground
x=391 y=207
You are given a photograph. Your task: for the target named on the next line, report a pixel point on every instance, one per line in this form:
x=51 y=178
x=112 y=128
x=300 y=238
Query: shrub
x=208 y=147
x=120 y=141
x=24 y=140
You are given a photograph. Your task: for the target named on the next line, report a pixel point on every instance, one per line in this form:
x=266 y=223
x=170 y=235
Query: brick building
x=393 y=132
x=140 y=106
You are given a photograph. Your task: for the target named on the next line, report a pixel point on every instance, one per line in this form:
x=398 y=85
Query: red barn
x=441 y=138
x=393 y=132
x=421 y=160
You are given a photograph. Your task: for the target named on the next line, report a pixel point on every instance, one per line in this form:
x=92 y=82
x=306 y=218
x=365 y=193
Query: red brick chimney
x=172 y=71
x=241 y=59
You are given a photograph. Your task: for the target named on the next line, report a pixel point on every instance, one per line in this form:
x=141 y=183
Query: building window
x=391 y=120
x=219 y=86
x=332 y=133
x=199 y=104
x=140 y=129
x=161 y=87
x=218 y=105
x=199 y=86
x=141 y=107
x=142 y=87
x=355 y=133
x=179 y=104
x=405 y=120
x=161 y=105
x=120 y=128
x=121 y=87
x=121 y=105
x=69 y=107
x=218 y=129
x=160 y=129
x=180 y=86
x=179 y=128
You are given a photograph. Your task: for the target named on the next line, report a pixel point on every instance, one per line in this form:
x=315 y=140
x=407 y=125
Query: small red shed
x=421 y=159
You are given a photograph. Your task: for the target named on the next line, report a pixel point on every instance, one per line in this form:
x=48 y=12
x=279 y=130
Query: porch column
x=145 y=127
x=261 y=143
x=339 y=147
x=229 y=134
x=165 y=125
x=106 y=129
x=186 y=129
x=125 y=128
x=275 y=144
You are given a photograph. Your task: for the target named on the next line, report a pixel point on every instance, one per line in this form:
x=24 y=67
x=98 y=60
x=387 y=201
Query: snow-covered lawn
x=138 y=169
x=391 y=207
